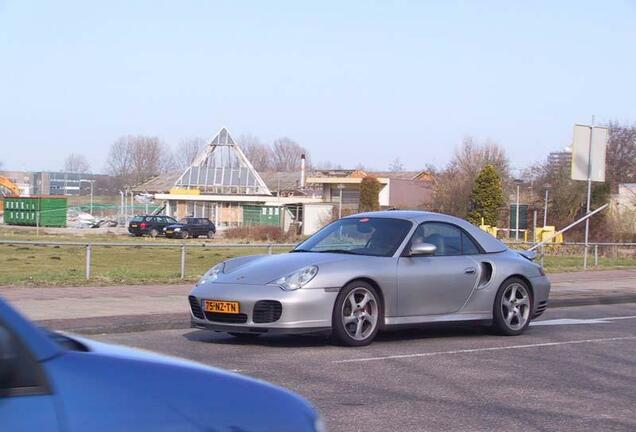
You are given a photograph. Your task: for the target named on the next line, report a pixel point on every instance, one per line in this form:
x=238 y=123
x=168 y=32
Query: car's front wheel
x=356 y=315
x=185 y=234
x=513 y=307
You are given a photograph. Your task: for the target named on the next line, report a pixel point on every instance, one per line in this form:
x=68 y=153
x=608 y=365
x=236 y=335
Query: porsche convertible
x=370 y=271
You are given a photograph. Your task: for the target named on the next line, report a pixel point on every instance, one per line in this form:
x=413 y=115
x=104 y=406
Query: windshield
x=359 y=236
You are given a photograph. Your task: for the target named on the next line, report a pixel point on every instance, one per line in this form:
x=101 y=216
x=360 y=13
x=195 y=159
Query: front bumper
x=303 y=310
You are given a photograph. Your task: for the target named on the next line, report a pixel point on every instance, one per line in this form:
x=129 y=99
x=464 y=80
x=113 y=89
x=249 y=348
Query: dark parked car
x=58 y=382
x=150 y=225
x=191 y=227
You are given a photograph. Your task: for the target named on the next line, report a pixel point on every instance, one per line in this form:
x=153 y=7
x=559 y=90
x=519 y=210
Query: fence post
x=183 y=256
x=88 y=261
x=595 y=254
x=269 y=249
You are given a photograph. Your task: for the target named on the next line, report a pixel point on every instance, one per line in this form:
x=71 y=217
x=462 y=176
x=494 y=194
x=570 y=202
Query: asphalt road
x=575 y=372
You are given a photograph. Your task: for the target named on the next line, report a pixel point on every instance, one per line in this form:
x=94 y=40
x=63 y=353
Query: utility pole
x=340 y=188
x=589 y=195
x=518 y=182
x=545 y=208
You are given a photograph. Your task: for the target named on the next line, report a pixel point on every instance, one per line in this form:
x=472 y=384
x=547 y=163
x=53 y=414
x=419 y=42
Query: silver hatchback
x=370 y=271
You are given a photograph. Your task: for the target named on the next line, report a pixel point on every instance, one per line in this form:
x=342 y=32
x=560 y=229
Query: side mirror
x=422 y=249
x=8 y=358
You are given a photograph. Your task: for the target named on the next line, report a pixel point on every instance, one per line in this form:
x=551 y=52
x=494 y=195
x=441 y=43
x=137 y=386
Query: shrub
x=369 y=194
x=261 y=233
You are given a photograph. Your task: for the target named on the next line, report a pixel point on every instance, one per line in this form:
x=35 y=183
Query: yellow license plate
x=229 y=307
x=134 y=226
x=169 y=231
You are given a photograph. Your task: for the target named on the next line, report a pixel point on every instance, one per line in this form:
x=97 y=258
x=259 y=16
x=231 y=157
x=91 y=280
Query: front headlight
x=296 y=280
x=212 y=274
x=177 y=229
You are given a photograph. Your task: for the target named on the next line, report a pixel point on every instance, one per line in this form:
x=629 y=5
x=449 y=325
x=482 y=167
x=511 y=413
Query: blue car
x=56 y=382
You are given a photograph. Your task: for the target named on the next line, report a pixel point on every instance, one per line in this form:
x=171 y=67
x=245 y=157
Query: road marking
x=474 y=350
x=570 y=321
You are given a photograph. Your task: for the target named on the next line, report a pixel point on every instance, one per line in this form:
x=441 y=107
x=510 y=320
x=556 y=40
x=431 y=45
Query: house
x=222 y=185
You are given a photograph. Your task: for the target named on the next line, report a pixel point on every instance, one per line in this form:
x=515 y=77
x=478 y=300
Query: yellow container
x=178 y=191
x=545 y=233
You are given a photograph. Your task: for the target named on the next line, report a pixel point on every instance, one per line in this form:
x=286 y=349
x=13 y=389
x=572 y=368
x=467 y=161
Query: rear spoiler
x=529 y=255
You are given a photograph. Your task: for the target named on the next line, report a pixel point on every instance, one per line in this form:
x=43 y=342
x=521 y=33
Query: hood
x=262 y=269
x=165 y=393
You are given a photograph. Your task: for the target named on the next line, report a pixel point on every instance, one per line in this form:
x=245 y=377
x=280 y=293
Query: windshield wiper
x=299 y=250
x=342 y=251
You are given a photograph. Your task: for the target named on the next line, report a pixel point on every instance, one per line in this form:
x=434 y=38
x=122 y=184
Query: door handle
x=469 y=270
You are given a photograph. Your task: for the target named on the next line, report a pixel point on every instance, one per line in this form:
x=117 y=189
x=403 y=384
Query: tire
x=185 y=234
x=153 y=233
x=244 y=335
x=210 y=234
x=354 y=323
x=512 y=311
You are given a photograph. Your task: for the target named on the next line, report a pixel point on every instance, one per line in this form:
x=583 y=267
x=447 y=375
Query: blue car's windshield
x=358 y=236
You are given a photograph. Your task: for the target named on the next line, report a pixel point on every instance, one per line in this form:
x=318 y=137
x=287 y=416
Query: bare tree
x=452 y=186
x=135 y=159
x=621 y=155
x=258 y=153
x=286 y=155
x=326 y=166
x=76 y=163
x=396 y=165
x=187 y=151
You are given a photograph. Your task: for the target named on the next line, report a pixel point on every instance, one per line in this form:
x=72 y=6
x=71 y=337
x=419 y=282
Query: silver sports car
x=370 y=271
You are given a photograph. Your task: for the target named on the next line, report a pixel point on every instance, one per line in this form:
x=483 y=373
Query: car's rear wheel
x=210 y=234
x=513 y=307
x=356 y=315
x=153 y=233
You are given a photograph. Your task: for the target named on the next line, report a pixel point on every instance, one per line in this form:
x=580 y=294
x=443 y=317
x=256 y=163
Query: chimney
x=302 y=171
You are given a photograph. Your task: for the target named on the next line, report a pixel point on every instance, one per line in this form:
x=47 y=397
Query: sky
x=355 y=82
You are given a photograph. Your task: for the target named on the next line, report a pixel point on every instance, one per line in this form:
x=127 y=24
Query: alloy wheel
x=360 y=313
x=515 y=306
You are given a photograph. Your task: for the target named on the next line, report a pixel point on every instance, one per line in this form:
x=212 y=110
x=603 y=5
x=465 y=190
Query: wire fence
x=123 y=258
x=600 y=252
x=73 y=261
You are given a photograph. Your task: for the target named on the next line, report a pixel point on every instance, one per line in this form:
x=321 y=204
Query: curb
x=591 y=301
x=142 y=323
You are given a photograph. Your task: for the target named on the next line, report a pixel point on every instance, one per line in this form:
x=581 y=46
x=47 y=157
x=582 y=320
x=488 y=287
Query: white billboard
x=586 y=158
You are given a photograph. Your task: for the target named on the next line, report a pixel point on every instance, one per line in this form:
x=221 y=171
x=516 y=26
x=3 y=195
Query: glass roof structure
x=222 y=168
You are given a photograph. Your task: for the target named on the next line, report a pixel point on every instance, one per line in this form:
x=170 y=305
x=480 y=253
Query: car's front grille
x=267 y=311
x=226 y=318
x=196 y=307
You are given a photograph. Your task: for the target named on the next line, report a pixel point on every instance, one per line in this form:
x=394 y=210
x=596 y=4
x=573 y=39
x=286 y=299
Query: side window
x=26 y=376
x=468 y=245
x=202 y=221
x=446 y=237
x=449 y=239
